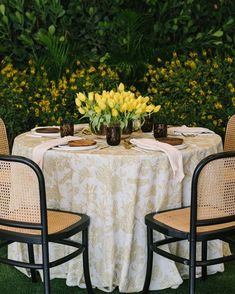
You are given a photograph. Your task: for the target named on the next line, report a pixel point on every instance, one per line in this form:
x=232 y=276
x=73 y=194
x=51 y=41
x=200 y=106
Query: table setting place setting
x=45 y=131
x=161 y=133
x=71 y=143
x=68 y=143
x=167 y=139
x=188 y=131
x=61 y=141
x=55 y=131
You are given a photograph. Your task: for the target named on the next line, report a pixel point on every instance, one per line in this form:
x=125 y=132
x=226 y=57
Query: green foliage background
x=127 y=33
x=125 y=36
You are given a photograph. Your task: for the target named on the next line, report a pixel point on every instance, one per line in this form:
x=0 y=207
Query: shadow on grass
x=13 y=281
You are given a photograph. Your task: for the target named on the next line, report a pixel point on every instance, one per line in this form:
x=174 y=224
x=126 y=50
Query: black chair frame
x=172 y=235
x=43 y=239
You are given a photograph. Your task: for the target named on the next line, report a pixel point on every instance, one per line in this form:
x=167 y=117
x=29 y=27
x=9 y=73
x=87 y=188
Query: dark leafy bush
x=118 y=29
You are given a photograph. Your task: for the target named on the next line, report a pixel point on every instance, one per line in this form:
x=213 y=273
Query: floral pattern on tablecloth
x=117 y=187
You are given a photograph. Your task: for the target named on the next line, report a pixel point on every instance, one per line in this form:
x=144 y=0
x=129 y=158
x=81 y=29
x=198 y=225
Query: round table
x=117 y=187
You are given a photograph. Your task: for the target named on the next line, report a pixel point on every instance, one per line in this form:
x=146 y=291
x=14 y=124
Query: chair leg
x=32 y=261
x=46 y=273
x=149 y=260
x=204 y=258
x=192 y=266
x=85 y=257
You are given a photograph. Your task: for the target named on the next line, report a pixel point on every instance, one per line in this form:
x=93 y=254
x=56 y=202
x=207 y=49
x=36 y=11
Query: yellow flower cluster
x=86 y=78
x=114 y=106
x=49 y=101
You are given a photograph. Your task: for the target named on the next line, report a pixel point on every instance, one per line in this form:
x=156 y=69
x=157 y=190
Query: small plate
x=178 y=143
x=171 y=141
x=81 y=143
x=40 y=131
x=77 y=148
x=47 y=130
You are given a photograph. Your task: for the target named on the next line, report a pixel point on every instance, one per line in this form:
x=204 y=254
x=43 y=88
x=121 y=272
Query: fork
x=127 y=145
x=99 y=148
x=188 y=135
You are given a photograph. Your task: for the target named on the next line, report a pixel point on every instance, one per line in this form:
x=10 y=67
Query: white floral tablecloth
x=117 y=187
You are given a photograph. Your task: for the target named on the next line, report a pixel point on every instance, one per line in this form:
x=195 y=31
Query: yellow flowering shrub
x=28 y=97
x=113 y=106
x=60 y=94
x=196 y=90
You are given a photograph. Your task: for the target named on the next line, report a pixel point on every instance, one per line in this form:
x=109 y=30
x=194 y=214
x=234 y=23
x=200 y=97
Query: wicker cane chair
x=25 y=218
x=4 y=146
x=211 y=216
x=229 y=142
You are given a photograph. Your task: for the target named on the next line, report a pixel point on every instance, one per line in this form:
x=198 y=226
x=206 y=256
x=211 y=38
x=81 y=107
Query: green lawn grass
x=13 y=281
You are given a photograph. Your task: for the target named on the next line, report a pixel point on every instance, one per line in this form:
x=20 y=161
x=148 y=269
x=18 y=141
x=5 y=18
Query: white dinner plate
x=35 y=133
x=77 y=148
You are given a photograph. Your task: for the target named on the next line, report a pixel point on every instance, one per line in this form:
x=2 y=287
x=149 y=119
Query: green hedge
x=127 y=34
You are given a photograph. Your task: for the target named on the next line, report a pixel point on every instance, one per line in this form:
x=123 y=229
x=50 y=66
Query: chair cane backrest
x=4 y=146
x=19 y=191
x=215 y=185
x=229 y=142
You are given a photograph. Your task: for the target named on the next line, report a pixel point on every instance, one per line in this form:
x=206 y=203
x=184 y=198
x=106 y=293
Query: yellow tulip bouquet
x=118 y=106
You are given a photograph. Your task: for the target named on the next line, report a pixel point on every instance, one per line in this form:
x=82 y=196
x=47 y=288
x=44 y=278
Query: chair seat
x=58 y=221
x=179 y=219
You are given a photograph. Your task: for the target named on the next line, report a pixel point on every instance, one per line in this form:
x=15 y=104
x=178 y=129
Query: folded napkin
x=174 y=155
x=40 y=149
x=184 y=130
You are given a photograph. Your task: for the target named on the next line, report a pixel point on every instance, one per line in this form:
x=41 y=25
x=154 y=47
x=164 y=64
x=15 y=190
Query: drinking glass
x=66 y=129
x=113 y=134
x=159 y=130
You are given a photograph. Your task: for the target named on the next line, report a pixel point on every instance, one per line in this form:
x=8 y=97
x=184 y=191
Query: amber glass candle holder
x=113 y=134
x=159 y=130
x=66 y=129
